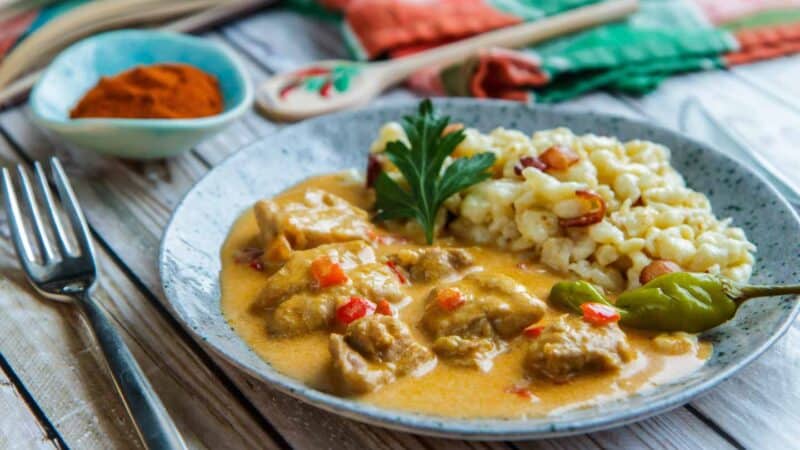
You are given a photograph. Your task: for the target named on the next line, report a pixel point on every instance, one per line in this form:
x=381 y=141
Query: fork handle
x=156 y=429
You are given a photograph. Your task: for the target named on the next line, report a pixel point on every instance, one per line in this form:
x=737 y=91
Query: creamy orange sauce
x=446 y=390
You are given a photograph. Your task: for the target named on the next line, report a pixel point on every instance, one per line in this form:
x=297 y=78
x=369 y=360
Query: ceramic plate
x=189 y=260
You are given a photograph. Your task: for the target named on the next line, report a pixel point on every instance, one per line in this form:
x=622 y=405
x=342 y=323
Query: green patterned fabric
x=536 y=9
x=664 y=37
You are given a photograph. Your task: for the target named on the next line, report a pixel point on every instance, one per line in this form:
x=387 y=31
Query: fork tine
x=72 y=208
x=18 y=235
x=28 y=197
x=52 y=212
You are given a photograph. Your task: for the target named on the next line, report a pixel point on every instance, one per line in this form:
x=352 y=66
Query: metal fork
x=69 y=276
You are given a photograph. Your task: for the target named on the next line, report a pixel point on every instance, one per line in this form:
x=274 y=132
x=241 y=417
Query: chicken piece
x=475 y=353
x=320 y=218
x=490 y=308
x=493 y=305
x=295 y=275
x=295 y=304
x=432 y=263
x=374 y=351
x=571 y=345
x=303 y=313
x=352 y=372
x=387 y=339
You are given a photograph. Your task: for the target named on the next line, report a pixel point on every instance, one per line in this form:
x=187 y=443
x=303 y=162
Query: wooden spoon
x=333 y=85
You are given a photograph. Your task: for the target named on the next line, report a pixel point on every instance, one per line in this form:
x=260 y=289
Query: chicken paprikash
x=490 y=275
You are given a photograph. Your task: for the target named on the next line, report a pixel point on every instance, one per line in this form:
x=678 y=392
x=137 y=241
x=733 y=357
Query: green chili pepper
x=678 y=301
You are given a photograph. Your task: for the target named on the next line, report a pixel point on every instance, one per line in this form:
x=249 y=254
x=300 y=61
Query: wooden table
x=55 y=394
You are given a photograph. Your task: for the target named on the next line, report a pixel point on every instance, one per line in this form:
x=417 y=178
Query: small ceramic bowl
x=78 y=68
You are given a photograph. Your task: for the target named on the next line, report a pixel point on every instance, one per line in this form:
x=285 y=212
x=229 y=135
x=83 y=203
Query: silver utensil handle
x=156 y=429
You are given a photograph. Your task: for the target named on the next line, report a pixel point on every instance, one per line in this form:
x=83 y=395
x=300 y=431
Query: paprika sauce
x=503 y=390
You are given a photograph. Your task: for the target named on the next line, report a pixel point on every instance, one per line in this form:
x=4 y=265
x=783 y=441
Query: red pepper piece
x=326 y=272
x=354 y=309
x=533 y=331
x=599 y=314
x=385 y=308
x=393 y=265
x=528 y=161
x=594 y=204
x=559 y=158
x=520 y=391
x=449 y=299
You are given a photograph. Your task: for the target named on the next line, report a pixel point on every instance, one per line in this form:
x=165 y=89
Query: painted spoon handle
x=509 y=37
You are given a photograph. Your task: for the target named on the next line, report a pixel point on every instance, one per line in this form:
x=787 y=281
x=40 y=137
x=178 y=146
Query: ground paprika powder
x=161 y=91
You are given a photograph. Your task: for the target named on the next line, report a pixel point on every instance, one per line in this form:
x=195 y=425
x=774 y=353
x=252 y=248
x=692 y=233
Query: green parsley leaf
x=421 y=166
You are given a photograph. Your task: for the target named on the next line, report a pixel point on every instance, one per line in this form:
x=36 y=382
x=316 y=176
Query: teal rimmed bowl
x=78 y=68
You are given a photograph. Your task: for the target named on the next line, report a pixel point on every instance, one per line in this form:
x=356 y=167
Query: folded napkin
x=663 y=38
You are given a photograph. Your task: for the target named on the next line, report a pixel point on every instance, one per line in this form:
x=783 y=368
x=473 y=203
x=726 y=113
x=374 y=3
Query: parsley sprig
x=421 y=166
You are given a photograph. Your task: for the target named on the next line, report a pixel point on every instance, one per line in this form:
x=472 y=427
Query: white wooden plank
x=19 y=427
x=769 y=128
x=780 y=78
x=678 y=430
x=599 y=102
x=67 y=378
x=282 y=40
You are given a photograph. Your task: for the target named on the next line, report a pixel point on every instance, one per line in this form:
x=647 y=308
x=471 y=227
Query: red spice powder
x=161 y=91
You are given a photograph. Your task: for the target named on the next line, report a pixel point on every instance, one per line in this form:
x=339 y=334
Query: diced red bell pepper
x=385 y=308
x=520 y=391
x=559 y=158
x=449 y=299
x=354 y=309
x=528 y=161
x=599 y=314
x=393 y=265
x=595 y=208
x=533 y=331
x=326 y=272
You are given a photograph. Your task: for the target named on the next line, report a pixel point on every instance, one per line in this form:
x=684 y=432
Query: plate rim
x=426 y=424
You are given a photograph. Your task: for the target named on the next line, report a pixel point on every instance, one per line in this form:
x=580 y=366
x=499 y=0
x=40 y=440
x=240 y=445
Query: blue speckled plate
x=190 y=263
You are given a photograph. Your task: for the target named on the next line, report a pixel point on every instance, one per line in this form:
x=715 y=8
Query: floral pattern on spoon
x=325 y=81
